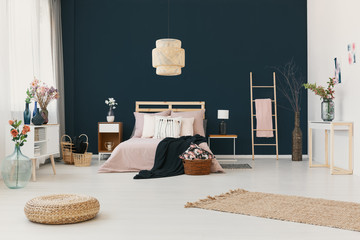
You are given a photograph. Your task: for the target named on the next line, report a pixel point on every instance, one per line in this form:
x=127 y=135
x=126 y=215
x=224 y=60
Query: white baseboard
x=256 y=156
x=97 y=155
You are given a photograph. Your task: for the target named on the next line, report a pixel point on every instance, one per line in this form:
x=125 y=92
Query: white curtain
x=30 y=51
x=4 y=77
x=30 y=46
x=57 y=59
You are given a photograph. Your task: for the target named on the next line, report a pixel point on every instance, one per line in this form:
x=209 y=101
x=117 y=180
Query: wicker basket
x=67 y=149
x=83 y=159
x=197 y=166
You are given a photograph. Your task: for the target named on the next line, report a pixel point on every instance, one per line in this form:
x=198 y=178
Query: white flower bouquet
x=111 y=102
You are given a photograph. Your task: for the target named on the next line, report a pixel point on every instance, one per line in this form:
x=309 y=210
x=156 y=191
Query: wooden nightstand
x=233 y=136
x=109 y=132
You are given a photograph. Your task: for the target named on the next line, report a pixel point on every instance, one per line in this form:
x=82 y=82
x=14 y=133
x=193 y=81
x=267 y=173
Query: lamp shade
x=223 y=114
x=168 y=57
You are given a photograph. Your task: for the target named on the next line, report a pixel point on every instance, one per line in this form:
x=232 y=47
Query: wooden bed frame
x=158 y=106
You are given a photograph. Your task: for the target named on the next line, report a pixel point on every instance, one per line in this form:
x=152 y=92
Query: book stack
x=39 y=134
x=37 y=150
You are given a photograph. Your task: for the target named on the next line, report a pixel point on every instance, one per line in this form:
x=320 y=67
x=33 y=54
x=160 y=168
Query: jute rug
x=235 y=166
x=322 y=212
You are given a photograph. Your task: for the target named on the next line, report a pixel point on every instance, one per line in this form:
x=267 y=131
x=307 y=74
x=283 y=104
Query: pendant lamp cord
x=168 y=18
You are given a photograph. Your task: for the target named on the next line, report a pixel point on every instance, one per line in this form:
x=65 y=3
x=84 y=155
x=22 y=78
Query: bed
x=138 y=153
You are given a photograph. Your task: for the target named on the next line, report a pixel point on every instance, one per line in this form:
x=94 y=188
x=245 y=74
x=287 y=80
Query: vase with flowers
x=327 y=96
x=43 y=94
x=111 y=102
x=16 y=168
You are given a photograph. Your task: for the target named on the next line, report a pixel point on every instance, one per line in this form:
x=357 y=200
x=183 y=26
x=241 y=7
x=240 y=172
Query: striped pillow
x=167 y=127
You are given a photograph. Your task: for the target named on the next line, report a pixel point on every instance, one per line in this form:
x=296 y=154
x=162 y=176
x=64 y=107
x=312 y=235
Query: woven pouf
x=61 y=208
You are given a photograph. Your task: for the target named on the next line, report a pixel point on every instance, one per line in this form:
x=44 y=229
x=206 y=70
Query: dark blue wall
x=107 y=53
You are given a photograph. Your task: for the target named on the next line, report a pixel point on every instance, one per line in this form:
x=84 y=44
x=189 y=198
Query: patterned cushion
x=196 y=152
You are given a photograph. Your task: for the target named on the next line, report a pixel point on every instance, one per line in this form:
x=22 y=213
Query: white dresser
x=42 y=143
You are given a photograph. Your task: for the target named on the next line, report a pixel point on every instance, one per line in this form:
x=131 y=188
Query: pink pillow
x=198 y=119
x=139 y=121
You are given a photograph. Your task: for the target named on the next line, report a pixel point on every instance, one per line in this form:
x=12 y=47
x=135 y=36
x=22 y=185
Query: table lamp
x=223 y=114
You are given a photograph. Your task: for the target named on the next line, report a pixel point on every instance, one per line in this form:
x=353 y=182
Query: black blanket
x=167 y=162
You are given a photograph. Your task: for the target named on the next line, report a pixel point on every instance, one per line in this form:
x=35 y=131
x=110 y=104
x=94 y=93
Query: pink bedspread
x=138 y=154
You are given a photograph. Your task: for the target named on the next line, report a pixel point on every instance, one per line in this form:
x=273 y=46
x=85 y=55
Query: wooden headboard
x=158 y=106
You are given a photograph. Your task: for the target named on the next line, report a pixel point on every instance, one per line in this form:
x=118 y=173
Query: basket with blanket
x=75 y=150
x=196 y=160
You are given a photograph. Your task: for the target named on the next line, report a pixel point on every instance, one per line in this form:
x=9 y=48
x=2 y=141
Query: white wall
x=332 y=24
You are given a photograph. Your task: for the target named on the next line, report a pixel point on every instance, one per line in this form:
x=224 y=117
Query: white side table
x=332 y=127
x=233 y=136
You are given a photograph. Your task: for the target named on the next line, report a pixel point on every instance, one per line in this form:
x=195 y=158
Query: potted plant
x=290 y=85
x=327 y=95
x=16 y=168
x=111 y=102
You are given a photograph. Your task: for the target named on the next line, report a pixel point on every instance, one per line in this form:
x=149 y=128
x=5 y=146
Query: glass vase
x=45 y=114
x=296 y=154
x=27 y=114
x=37 y=119
x=35 y=109
x=327 y=110
x=110 y=116
x=16 y=169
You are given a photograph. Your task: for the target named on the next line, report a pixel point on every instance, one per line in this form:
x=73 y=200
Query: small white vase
x=110 y=118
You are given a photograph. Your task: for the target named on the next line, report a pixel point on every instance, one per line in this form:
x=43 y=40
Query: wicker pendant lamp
x=168 y=57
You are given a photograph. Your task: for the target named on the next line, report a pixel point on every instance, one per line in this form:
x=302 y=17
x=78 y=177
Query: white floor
x=154 y=209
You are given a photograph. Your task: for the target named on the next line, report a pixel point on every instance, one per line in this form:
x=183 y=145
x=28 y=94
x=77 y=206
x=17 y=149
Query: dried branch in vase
x=290 y=84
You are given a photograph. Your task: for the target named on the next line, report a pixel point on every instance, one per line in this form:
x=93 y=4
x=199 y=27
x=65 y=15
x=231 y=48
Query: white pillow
x=167 y=127
x=187 y=127
x=149 y=126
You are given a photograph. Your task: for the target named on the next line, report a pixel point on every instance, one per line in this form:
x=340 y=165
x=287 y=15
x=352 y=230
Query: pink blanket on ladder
x=263 y=111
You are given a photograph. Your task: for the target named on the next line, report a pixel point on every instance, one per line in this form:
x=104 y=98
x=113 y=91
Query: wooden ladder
x=252 y=101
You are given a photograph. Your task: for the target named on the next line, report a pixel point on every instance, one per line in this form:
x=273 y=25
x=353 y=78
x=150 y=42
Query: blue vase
x=27 y=114
x=35 y=109
x=16 y=169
